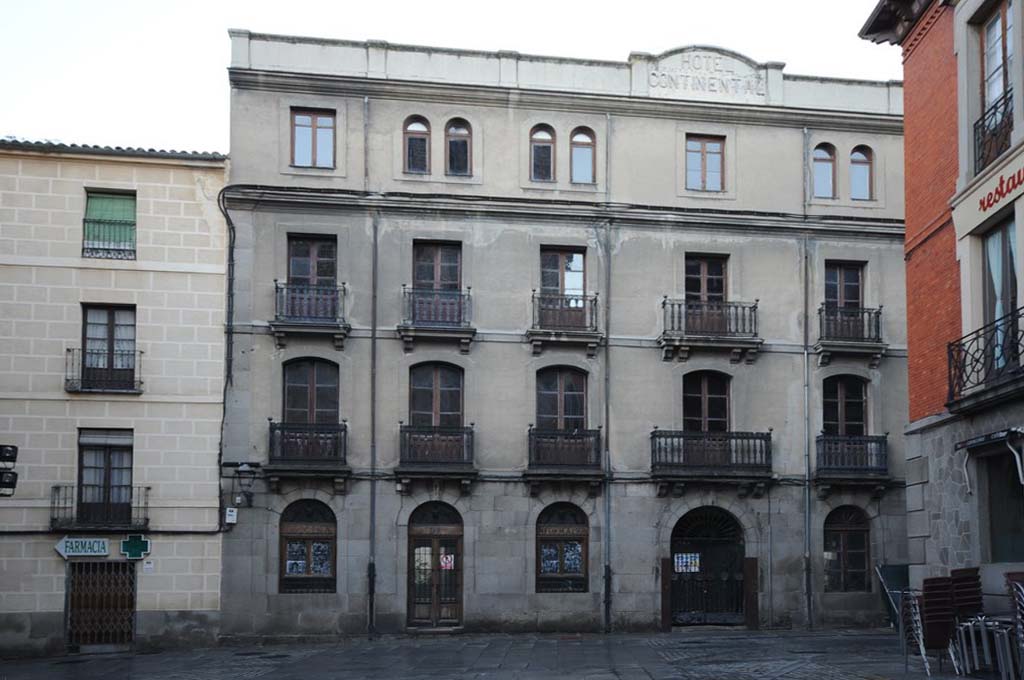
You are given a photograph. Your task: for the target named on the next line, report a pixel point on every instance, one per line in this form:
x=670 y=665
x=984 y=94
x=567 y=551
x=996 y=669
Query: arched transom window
x=582 y=156
x=562 y=537
x=308 y=548
x=846 y=550
x=458 y=147
x=416 y=145
x=861 y=174
x=824 y=171
x=542 y=154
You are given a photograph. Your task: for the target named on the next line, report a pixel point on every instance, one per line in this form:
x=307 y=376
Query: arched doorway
x=707 y=569
x=435 y=566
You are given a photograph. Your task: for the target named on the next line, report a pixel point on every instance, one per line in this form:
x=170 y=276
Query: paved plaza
x=694 y=653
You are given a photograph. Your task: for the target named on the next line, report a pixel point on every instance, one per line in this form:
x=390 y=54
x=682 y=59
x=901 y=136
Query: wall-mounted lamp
x=246 y=476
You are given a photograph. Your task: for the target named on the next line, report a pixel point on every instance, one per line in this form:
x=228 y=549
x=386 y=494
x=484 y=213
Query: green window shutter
x=109 y=226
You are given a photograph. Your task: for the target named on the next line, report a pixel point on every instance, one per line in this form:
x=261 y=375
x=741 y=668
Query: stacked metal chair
x=977 y=636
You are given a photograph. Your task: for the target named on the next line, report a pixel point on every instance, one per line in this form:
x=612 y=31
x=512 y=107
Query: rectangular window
x=105 y=477
x=997 y=53
x=705 y=278
x=843 y=285
x=312 y=138
x=108 y=229
x=1000 y=257
x=1005 y=508
x=704 y=163
x=108 y=347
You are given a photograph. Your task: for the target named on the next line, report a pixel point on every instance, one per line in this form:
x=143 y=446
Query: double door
x=435 y=578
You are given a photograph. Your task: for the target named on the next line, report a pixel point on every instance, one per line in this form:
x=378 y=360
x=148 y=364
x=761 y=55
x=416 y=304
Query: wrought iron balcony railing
x=114 y=239
x=992 y=131
x=102 y=371
x=988 y=356
x=565 y=449
x=852 y=455
x=849 y=324
x=92 y=506
x=436 y=308
x=711 y=453
x=308 y=444
x=565 y=312
x=708 y=318
x=303 y=303
x=436 y=446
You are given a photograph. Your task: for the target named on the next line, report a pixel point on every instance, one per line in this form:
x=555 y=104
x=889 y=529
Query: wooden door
x=436 y=282
x=435 y=576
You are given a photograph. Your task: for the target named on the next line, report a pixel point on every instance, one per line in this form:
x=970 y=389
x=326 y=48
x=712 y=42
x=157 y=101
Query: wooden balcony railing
x=102 y=371
x=436 y=446
x=565 y=312
x=93 y=506
x=308 y=444
x=436 y=308
x=303 y=303
x=849 y=324
x=992 y=132
x=987 y=357
x=711 y=453
x=716 y=319
x=852 y=455
x=565 y=449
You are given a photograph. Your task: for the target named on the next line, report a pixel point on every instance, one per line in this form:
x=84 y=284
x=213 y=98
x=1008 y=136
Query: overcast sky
x=152 y=74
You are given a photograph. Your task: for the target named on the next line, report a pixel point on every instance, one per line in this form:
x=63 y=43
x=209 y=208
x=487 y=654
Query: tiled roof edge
x=14 y=144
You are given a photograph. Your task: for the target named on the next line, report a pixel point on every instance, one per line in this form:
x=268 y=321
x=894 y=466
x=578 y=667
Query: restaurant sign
x=1007 y=185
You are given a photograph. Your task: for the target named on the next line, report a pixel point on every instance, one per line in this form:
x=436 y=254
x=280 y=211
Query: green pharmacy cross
x=135 y=547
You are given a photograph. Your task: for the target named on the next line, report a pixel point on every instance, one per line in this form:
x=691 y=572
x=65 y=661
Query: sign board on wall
x=707 y=74
x=82 y=547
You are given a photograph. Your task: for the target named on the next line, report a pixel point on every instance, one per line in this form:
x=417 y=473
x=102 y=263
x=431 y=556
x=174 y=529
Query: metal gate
x=101 y=603
x=707 y=569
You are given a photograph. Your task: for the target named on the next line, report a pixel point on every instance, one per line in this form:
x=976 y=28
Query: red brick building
x=963 y=132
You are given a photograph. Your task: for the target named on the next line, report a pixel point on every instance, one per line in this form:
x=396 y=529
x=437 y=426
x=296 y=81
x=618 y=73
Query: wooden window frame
x=110 y=309
x=308 y=533
x=831 y=151
x=592 y=145
x=843 y=531
x=705 y=395
x=107 y=485
x=841 y=266
x=562 y=254
x=435 y=399
x=418 y=246
x=448 y=137
x=553 y=143
x=869 y=155
x=842 y=423
x=559 y=535
x=407 y=135
x=560 y=415
x=315 y=113
x=313 y=240
x=704 y=140
x=1000 y=11
x=704 y=260
x=311 y=387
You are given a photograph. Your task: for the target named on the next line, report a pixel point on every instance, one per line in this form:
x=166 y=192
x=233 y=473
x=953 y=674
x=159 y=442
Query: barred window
x=108 y=229
x=308 y=548
x=562 y=549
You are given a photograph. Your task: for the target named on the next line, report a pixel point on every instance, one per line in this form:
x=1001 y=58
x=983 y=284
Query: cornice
x=556 y=100
x=253 y=198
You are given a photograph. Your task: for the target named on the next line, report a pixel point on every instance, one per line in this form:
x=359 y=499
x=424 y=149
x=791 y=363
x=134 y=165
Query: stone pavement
x=690 y=654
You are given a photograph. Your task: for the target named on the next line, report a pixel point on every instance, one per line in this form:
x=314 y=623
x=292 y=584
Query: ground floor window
x=562 y=533
x=1005 y=501
x=308 y=548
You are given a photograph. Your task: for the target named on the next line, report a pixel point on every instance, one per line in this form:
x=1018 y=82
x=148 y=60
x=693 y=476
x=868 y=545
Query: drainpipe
x=808 y=594
x=607 y=387
x=371 y=566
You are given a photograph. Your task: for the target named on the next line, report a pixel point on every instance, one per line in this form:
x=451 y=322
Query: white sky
x=152 y=74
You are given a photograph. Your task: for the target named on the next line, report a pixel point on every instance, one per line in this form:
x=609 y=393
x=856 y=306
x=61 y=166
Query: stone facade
x=634 y=226
x=174 y=281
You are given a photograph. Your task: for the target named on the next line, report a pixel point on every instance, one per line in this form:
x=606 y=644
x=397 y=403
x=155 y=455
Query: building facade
x=965 y=505
x=526 y=343
x=112 y=267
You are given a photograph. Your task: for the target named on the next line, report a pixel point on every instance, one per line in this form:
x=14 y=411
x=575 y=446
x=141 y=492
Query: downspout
x=807 y=400
x=229 y=336
x=371 y=566
x=607 y=389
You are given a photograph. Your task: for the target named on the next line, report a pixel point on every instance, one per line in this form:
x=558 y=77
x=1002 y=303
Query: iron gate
x=707 y=569
x=101 y=603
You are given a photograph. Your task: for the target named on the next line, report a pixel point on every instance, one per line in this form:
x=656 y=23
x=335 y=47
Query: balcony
x=849 y=331
x=103 y=371
x=436 y=315
x=985 y=367
x=302 y=309
x=851 y=460
x=100 y=508
x=992 y=132
x=564 y=456
x=307 y=450
x=691 y=324
x=111 y=239
x=564 y=320
x=742 y=458
x=435 y=453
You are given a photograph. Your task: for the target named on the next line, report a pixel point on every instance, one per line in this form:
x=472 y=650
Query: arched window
x=561 y=399
x=846 y=550
x=308 y=548
x=458 y=147
x=435 y=565
x=435 y=395
x=542 y=154
x=562 y=537
x=705 y=402
x=582 y=156
x=824 y=171
x=844 y=403
x=416 y=145
x=310 y=392
x=862 y=174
